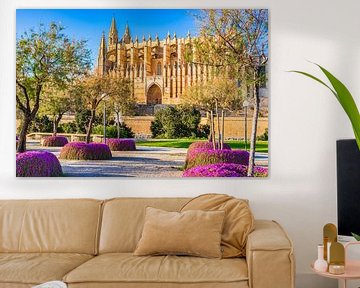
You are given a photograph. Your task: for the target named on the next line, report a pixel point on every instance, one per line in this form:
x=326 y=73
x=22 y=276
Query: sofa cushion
x=123 y=220
x=127 y=268
x=62 y=226
x=36 y=268
x=238 y=223
x=194 y=232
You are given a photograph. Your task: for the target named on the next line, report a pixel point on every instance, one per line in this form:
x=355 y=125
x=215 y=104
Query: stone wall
x=234 y=126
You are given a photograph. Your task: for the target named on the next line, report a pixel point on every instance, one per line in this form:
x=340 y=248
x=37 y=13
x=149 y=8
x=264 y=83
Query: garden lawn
x=261 y=146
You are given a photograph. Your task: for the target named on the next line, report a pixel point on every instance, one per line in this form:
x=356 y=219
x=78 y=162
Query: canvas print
x=142 y=93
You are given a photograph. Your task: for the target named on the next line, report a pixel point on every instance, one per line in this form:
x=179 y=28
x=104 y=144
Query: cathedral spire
x=102 y=56
x=127 y=36
x=113 y=33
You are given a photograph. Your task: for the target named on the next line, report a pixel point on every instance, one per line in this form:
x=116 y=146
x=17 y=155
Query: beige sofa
x=89 y=243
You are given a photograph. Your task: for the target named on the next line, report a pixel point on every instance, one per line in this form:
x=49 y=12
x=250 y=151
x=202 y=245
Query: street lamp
x=245 y=105
x=102 y=98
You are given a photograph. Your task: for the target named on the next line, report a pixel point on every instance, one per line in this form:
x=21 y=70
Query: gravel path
x=145 y=162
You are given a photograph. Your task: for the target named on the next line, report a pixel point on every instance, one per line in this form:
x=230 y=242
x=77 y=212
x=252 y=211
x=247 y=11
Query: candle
x=336 y=269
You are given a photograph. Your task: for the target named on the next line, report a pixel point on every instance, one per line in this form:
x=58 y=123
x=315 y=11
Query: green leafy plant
x=344 y=97
x=356 y=236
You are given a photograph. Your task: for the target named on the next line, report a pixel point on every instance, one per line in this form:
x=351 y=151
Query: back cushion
x=67 y=226
x=123 y=221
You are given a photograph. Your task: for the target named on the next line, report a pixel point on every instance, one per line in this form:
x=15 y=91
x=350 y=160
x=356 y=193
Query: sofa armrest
x=269 y=256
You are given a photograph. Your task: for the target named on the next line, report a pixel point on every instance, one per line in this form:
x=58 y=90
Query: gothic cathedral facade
x=157 y=68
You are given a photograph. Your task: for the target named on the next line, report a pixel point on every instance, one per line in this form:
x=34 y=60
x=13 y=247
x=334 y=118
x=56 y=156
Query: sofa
x=90 y=243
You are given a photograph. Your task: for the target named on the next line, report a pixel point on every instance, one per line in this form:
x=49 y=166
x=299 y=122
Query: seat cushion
x=150 y=270
x=35 y=268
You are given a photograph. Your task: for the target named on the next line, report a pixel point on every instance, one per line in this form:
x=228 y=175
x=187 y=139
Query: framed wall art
x=142 y=93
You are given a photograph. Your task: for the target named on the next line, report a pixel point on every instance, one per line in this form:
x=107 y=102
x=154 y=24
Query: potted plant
x=348 y=158
x=357 y=237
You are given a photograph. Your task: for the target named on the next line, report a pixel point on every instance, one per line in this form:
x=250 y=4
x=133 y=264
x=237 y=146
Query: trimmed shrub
x=217 y=170
x=177 y=122
x=198 y=157
x=41 y=124
x=260 y=171
x=83 y=151
x=206 y=145
x=203 y=131
x=265 y=136
x=37 y=164
x=67 y=127
x=224 y=170
x=82 y=120
x=54 y=141
x=121 y=144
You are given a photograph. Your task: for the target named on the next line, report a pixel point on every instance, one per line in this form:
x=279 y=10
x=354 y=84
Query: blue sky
x=88 y=24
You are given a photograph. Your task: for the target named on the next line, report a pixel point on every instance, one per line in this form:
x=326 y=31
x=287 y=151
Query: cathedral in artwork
x=157 y=68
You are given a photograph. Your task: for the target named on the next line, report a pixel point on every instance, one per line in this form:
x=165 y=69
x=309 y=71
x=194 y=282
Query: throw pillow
x=196 y=233
x=238 y=223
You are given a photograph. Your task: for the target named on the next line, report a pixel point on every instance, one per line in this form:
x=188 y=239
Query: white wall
x=305 y=121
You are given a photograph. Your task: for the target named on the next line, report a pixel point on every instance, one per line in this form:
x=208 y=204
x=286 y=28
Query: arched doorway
x=154 y=95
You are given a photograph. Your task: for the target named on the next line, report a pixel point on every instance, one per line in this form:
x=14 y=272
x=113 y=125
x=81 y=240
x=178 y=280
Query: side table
x=352 y=269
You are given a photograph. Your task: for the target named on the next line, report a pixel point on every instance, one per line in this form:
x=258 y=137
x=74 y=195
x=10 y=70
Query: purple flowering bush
x=199 y=157
x=206 y=145
x=121 y=144
x=217 y=170
x=260 y=171
x=37 y=164
x=54 y=141
x=83 y=151
x=223 y=170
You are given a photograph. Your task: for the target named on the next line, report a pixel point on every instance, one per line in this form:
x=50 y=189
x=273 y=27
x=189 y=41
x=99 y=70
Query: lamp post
x=103 y=98
x=245 y=106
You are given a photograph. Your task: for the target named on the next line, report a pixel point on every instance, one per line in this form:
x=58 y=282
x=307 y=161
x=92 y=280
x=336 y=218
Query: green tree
x=234 y=42
x=93 y=89
x=122 y=102
x=176 y=122
x=45 y=58
x=215 y=96
x=41 y=123
x=82 y=120
x=56 y=102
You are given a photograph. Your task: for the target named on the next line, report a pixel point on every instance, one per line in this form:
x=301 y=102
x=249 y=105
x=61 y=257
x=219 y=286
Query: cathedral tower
x=101 y=67
x=113 y=33
x=127 y=37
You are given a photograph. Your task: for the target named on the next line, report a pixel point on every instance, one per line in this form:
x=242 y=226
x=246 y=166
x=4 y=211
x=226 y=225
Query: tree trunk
x=22 y=137
x=57 y=119
x=89 y=128
x=245 y=127
x=218 y=124
x=213 y=129
x=254 y=128
x=118 y=123
x=29 y=115
x=210 y=134
x=222 y=128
